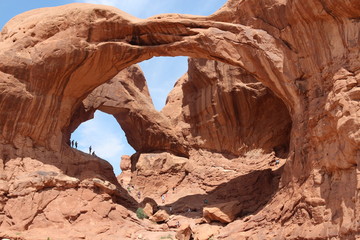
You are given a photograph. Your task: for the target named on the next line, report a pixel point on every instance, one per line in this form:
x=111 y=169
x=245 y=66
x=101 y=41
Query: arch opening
x=105 y=137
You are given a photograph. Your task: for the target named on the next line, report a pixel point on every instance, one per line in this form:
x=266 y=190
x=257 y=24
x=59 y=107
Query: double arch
x=61 y=57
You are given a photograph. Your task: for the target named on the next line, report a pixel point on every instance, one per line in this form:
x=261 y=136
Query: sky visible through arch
x=103 y=132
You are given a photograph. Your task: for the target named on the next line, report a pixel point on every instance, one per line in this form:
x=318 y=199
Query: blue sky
x=103 y=132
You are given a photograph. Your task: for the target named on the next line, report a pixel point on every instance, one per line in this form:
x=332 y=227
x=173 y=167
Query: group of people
x=92 y=153
x=75 y=144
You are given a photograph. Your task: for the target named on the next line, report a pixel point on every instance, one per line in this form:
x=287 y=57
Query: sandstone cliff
x=297 y=58
x=224 y=109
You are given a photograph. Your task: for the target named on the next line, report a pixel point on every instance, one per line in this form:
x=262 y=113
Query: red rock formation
x=85 y=45
x=224 y=109
x=127 y=98
x=305 y=52
x=202 y=112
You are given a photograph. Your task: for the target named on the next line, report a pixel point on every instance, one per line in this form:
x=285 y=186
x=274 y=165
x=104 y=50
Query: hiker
x=90 y=150
x=163 y=198
x=139 y=195
x=76 y=144
x=72 y=143
x=93 y=153
x=277 y=162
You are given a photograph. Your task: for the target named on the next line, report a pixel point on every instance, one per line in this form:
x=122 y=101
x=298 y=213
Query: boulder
x=222 y=212
x=160 y=216
x=160 y=163
x=184 y=232
x=125 y=163
x=205 y=231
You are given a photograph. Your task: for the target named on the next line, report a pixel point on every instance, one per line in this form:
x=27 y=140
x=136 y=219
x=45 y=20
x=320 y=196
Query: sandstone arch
x=96 y=56
x=89 y=47
x=214 y=106
x=307 y=54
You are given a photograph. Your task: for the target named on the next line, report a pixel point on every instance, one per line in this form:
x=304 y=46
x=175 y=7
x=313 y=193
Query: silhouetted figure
x=72 y=143
x=76 y=145
x=93 y=153
x=90 y=150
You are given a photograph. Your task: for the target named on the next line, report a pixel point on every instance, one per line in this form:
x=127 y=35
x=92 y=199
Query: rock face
x=223 y=123
x=40 y=197
x=211 y=117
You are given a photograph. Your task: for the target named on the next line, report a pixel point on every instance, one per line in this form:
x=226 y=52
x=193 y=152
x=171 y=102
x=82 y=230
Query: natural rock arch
x=78 y=56
x=51 y=61
x=214 y=106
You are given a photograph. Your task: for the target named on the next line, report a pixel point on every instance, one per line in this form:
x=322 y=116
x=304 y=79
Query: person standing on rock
x=93 y=153
x=72 y=143
x=163 y=198
x=90 y=150
x=76 y=144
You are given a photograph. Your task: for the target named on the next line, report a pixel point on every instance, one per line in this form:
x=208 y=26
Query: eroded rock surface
x=202 y=111
x=222 y=108
x=127 y=98
x=305 y=52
